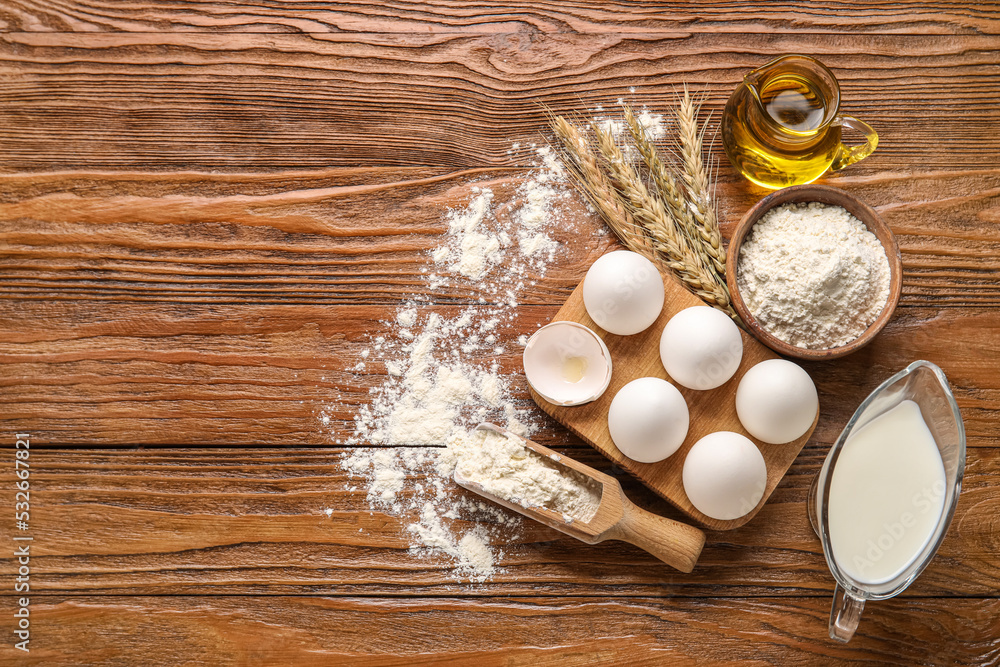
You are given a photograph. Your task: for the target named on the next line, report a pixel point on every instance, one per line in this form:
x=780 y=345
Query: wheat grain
x=697 y=181
x=640 y=219
x=668 y=188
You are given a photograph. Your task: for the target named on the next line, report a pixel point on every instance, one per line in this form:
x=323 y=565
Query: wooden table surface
x=206 y=211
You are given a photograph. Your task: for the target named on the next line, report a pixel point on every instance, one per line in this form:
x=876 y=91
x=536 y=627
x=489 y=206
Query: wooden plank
x=858 y=16
x=94 y=373
x=211 y=240
x=538 y=631
x=231 y=521
x=207 y=227
x=361 y=236
x=231 y=102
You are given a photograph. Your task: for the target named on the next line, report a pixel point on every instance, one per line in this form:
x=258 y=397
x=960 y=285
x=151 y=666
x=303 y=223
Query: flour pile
x=442 y=377
x=813 y=275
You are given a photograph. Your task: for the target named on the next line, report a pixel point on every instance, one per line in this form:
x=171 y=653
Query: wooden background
x=205 y=209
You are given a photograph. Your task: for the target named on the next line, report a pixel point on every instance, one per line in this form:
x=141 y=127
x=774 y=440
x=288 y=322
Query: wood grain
x=232 y=102
x=94 y=373
x=862 y=16
x=346 y=236
x=252 y=521
x=207 y=209
x=318 y=630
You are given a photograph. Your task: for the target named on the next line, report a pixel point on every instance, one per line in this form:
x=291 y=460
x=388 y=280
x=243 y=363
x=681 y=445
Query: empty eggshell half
x=724 y=475
x=648 y=419
x=701 y=348
x=776 y=401
x=567 y=364
x=623 y=292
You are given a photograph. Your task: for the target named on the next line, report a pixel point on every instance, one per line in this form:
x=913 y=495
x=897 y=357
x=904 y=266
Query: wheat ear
x=667 y=239
x=599 y=191
x=697 y=181
x=671 y=192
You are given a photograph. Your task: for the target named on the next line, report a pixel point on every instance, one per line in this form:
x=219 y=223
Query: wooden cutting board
x=714 y=410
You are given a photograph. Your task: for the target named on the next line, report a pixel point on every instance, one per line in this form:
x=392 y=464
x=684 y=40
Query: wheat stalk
x=697 y=181
x=678 y=205
x=668 y=233
x=599 y=191
x=667 y=238
x=668 y=188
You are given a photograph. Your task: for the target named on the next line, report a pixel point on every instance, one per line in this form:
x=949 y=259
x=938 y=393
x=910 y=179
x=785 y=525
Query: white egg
x=701 y=348
x=724 y=475
x=776 y=401
x=623 y=292
x=567 y=363
x=648 y=419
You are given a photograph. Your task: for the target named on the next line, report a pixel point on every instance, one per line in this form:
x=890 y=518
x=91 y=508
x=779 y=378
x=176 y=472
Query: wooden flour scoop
x=675 y=543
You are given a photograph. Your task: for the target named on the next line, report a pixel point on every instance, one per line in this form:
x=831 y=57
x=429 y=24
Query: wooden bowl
x=826 y=195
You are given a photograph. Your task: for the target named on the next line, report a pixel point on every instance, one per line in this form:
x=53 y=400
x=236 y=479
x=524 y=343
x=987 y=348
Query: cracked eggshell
x=648 y=419
x=567 y=364
x=623 y=292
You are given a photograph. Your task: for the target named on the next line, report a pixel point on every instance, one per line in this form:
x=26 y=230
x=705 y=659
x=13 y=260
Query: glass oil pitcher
x=781 y=126
x=903 y=543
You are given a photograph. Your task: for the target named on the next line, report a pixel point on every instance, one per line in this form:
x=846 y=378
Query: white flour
x=504 y=467
x=813 y=275
x=477 y=251
x=442 y=377
x=651 y=124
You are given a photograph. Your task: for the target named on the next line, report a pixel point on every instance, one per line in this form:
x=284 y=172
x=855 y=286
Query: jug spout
x=752 y=81
x=781 y=62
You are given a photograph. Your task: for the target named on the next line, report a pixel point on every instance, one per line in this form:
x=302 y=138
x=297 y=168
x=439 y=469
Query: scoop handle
x=676 y=544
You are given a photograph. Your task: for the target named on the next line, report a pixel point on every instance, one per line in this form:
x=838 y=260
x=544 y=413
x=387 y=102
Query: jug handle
x=848 y=155
x=844 y=615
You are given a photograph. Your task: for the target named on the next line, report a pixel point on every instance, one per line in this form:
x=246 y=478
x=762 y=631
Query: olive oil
x=781 y=127
x=781 y=146
x=794 y=103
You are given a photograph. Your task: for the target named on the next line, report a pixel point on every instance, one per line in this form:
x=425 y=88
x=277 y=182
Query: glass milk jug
x=781 y=126
x=896 y=516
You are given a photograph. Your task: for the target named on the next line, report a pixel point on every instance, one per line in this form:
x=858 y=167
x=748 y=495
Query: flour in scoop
x=505 y=468
x=813 y=275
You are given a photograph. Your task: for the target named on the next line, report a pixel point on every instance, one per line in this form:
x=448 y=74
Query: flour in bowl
x=813 y=275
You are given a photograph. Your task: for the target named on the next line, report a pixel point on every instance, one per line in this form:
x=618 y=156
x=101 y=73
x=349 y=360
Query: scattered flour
x=443 y=378
x=477 y=251
x=652 y=125
x=813 y=275
x=611 y=126
x=536 y=214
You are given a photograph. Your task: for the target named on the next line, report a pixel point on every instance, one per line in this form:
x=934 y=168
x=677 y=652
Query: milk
x=886 y=495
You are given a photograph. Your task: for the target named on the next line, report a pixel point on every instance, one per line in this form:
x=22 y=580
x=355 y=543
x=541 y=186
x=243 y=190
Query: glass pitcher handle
x=844 y=615
x=848 y=155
